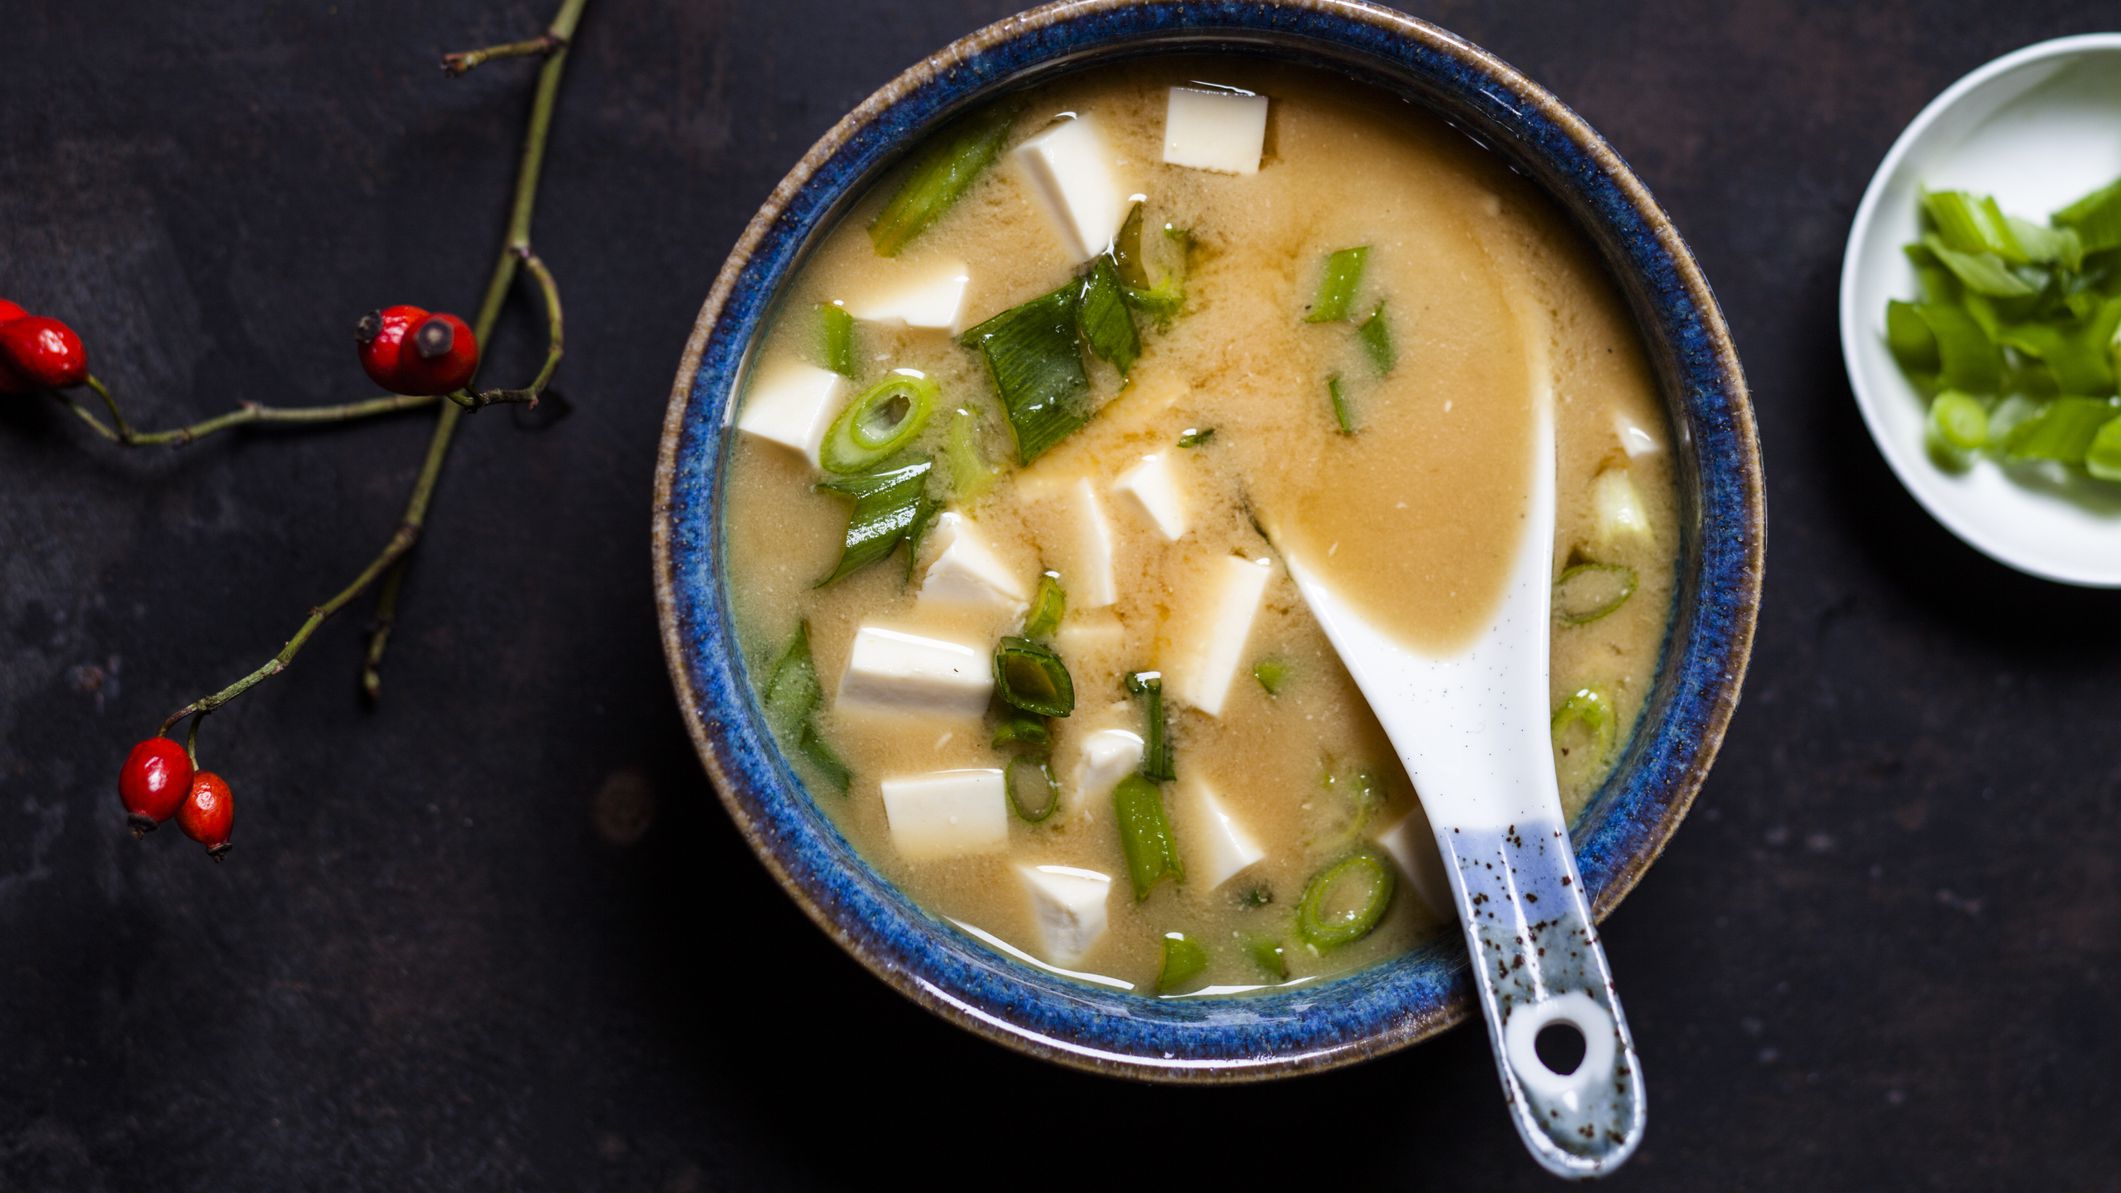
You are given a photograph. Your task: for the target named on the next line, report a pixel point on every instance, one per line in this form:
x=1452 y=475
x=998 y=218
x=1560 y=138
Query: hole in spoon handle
x=1539 y=969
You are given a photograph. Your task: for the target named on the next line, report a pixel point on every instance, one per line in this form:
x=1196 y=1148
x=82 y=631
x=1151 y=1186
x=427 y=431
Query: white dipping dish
x=2037 y=128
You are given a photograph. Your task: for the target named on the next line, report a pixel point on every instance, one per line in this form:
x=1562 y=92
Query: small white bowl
x=2037 y=128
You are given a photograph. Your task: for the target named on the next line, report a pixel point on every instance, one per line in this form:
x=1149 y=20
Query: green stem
x=555 y=329
x=389 y=562
x=464 y=60
x=246 y=414
x=515 y=250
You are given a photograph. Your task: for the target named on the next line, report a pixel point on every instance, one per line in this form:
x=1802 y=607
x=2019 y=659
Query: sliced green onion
x=2103 y=458
x=1032 y=789
x=1271 y=674
x=1103 y=320
x=1184 y=960
x=821 y=755
x=1128 y=251
x=2077 y=353
x=2049 y=246
x=970 y=473
x=1909 y=337
x=836 y=338
x=1983 y=273
x=1585 y=732
x=1159 y=300
x=1341 y=415
x=1022 y=728
x=1156 y=751
x=2063 y=430
x=1376 y=337
x=1958 y=422
x=888 y=507
x=2096 y=218
x=1195 y=436
x=1145 y=835
x=1973 y=224
x=1037 y=366
x=1589 y=591
x=940 y=176
x=1970 y=360
x=916 y=534
x=1336 y=289
x=1272 y=959
x=1048 y=605
x=1344 y=902
x=879 y=423
x=792 y=691
x=1030 y=676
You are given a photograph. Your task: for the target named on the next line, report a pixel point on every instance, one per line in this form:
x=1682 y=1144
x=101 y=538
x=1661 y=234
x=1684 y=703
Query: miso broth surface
x=1418 y=510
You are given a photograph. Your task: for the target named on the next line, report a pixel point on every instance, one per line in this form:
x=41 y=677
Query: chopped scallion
x=1030 y=676
x=940 y=176
x=1973 y=224
x=1344 y=902
x=824 y=758
x=970 y=473
x=1184 y=960
x=1033 y=792
x=1159 y=299
x=1958 y=424
x=1271 y=674
x=1102 y=317
x=1982 y=273
x=888 y=507
x=1156 y=752
x=1037 y=366
x=1022 y=728
x=1584 y=733
x=792 y=691
x=1195 y=436
x=1589 y=591
x=836 y=336
x=1272 y=959
x=2096 y=218
x=1376 y=337
x=2103 y=458
x=1048 y=605
x=879 y=423
x=2062 y=431
x=1342 y=416
x=1337 y=287
x=1145 y=835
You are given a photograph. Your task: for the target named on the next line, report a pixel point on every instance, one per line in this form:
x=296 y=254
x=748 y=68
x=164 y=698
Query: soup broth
x=1383 y=429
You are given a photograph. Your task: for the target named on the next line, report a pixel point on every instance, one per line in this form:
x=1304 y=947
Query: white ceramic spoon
x=1472 y=731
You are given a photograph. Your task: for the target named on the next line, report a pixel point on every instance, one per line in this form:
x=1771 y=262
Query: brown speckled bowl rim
x=1738 y=585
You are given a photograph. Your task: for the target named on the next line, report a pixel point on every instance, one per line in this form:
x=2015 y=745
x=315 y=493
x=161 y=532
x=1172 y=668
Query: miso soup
x=1006 y=467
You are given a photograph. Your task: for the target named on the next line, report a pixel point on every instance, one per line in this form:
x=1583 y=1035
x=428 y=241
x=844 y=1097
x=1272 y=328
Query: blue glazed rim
x=1387 y=1006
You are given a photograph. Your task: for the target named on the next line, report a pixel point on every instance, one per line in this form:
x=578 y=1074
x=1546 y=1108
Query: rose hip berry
x=209 y=813
x=11 y=382
x=409 y=350
x=43 y=352
x=440 y=356
x=153 y=783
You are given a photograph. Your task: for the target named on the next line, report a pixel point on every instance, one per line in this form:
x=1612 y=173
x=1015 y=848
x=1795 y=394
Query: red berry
x=153 y=782
x=209 y=812
x=439 y=356
x=43 y=352
x=381 y=337
x=12 y=382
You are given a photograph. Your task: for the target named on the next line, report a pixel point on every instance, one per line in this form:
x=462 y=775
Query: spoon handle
x=1537 y=961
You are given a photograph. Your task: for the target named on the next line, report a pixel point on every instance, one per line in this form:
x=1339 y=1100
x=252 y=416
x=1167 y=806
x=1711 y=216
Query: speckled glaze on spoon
x=1472 y=731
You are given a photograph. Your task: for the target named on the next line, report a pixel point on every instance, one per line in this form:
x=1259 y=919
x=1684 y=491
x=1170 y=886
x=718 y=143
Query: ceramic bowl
x=1311 y=1027
x=2035 y=128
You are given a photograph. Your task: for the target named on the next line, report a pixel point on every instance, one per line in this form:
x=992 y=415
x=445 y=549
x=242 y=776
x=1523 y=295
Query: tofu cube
x=1412 y=844
x=1223 y=131
x=1089 y=578
x=1093 y=644
x=893 y=671
x=1105 y=757
x=965 y=572
x=931 y=296
x=1217 y=846
x=1068 y=907
x=1070 y=171
x=1154 y=485
x=791 y=404
x=949 y=813
x=1208 y=661
x=1617 y=508
x=1635 y=439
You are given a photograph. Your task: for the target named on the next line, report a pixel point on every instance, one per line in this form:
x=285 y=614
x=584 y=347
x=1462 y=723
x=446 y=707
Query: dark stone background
x=445 y=954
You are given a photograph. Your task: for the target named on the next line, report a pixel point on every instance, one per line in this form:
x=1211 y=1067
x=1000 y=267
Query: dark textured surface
x=444 y=954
